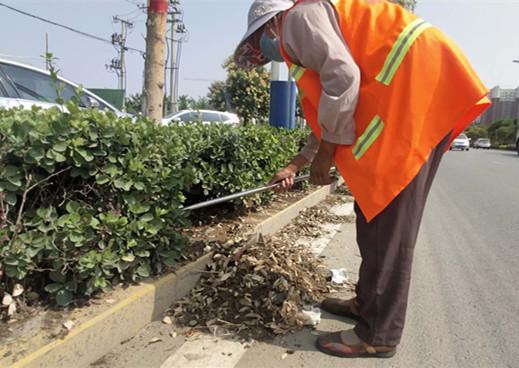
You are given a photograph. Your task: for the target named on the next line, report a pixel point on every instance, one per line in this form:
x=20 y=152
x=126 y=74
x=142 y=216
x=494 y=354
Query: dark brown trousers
x=386 y=246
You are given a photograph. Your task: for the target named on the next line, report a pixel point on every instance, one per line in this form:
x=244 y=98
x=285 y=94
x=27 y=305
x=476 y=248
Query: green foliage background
x=88 y=199
x=501 y=133
x=247 y=92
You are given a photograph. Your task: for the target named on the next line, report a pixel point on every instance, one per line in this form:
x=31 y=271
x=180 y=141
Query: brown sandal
x=341 y=307
x=334 y=344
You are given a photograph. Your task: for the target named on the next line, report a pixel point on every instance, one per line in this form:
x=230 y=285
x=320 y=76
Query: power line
x=85 y=34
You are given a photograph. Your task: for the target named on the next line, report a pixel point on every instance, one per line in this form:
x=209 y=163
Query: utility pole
x=119 y=65
x=172 y=101
x=177 y=26
x=47 y=66
x=153 y=94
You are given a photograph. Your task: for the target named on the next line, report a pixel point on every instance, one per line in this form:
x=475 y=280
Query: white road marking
x=345 y=209
x=497 y=163
x=206 y=352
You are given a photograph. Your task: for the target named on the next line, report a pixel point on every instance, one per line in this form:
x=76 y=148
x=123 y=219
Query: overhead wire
x=85 y=34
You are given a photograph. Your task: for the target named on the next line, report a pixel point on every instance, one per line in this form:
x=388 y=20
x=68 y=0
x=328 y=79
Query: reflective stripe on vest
x=367 y=138
x=400 y=49
x=297 y=71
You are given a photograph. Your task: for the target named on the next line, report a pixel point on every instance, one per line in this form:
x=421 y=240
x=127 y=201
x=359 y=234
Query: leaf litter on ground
x=258 y=289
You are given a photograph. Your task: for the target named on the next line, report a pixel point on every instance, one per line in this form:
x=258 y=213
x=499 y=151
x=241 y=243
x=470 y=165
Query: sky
x=486 y=30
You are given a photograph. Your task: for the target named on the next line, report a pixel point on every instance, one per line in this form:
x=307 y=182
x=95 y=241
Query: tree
x=155 y=62
x=476 y=132
x=186 y=102
x=246 y=91
x=502 y=132
x=134 y=103
x=218 y=97
x=408 y=4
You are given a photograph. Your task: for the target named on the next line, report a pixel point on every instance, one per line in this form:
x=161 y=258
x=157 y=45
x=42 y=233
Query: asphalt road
x=464 y=301
x=464 y=304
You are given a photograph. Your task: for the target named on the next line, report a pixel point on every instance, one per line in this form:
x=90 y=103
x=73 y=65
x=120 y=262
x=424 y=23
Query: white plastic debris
x=7 y=299
x=11 y=309
x=311 y=317
x=167 y=320
x=154 y=340
x=17 y=290
x=339 y=276
x=69 y=325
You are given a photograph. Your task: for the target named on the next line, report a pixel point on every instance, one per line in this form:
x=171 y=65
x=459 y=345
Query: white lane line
x=317 y=245
x=206 y=352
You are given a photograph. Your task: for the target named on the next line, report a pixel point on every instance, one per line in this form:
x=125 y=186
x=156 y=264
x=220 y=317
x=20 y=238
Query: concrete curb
x=97 y=336
x=145 y=303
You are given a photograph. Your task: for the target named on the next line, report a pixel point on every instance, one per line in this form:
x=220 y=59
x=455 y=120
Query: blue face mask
x=270 y=48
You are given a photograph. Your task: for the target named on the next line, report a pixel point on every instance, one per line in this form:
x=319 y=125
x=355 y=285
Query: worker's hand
x=322 y=163
x=286 y=177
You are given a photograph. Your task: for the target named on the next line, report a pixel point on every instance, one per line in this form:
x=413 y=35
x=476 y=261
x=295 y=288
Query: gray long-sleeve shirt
x=312 y=38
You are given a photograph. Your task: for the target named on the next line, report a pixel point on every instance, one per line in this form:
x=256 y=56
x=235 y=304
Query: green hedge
x=88 y=199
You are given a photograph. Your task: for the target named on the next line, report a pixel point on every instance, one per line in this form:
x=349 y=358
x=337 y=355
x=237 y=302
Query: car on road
x=461 y=142
x=482 y=143
x=26 y=86
x=204 y=116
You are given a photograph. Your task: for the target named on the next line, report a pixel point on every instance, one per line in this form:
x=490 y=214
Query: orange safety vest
x=416 y=87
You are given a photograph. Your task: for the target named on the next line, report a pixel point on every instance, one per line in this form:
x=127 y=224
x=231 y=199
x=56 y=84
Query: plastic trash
x=311 y=317
x=339 y=276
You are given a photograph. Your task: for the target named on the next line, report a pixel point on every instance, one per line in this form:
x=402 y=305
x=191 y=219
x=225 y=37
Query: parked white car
x=26 y=86
x=204 y=116
x=461 y=142
x=482 y=143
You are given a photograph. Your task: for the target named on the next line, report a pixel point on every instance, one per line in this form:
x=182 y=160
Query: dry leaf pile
x=254 y=289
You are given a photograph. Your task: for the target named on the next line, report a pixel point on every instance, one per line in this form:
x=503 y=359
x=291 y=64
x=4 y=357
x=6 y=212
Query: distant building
x=505 y=105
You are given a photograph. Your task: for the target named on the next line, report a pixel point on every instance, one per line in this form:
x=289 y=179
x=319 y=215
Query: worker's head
x=260 y=44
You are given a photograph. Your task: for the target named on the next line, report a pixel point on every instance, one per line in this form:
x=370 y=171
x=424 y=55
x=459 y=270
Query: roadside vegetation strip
x=148 y=303
x=95 y=335
x=88 y=199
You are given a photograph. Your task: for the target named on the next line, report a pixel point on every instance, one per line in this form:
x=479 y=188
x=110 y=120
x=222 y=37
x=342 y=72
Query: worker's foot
x=341 y=307
x=346 y=344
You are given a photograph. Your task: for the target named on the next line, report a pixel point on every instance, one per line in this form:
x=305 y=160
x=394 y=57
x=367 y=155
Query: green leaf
x=87 y=156
x=72 y=207
x=56 y=156
x=138 y=185
x=37 y=153
x=139 y=208
x=171 y=260
x=120 y=183
x=11 y=198
x=64 y=297
x=94 y=223
x=102 y=179
x=14 y=272
x=147 y=217
x=142 y=253
x=76 y=237
x=53 y=287
x=60 y=146
x=144 y=270
x=14 y=180
x=12 y=171
x=128 y=257
x=154 y=227
x=57 y=276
